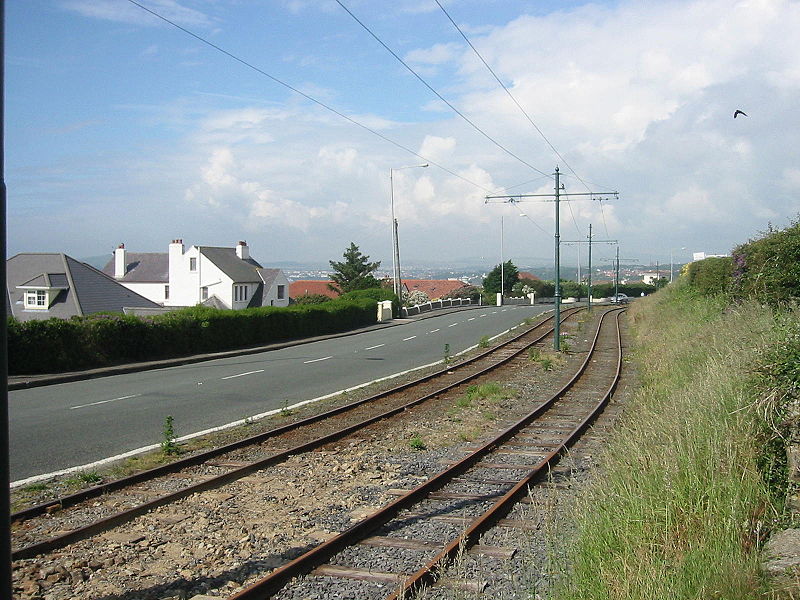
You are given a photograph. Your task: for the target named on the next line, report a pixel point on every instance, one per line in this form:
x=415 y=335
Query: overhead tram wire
x=304 y=95
x=524 y=112
x=437 y=94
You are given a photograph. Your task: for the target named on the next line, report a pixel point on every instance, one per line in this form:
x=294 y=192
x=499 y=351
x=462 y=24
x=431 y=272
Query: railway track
x=459 y=504
x=58 y=523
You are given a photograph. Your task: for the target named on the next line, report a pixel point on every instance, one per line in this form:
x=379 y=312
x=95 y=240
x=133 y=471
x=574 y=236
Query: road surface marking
x=471 y=319
x=373 y=347
x=504 y=310
x=104 y=401
x=494 y=312
x=409 y=338
x=243 y=374
x=453 y=325
x=305 y=362
x=433 y=331
x=483 y=315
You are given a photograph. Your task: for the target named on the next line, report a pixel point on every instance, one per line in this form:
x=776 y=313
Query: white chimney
x=242 y=251
x=120 y=262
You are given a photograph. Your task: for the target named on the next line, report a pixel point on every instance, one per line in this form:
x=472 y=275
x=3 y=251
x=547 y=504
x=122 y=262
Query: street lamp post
x=671 y=266
x=396 y=283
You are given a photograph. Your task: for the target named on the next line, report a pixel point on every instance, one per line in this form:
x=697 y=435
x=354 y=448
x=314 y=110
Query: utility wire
x=304 y=95
x=437 y=94
x=524 y=112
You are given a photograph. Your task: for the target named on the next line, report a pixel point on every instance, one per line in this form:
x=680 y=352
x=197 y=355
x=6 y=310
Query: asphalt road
x=70 y=424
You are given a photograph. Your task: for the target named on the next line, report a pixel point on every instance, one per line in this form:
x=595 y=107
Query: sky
x=123 y=128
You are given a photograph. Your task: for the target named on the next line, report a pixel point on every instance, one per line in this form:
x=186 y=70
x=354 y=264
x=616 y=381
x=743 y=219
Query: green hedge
x=56 y=345
x=377 y=294
x=768 y=268
x=710 y=276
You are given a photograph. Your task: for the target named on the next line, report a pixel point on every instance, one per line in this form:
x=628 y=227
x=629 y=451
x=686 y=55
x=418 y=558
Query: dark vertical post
x=557 y=324
x=589 y=287
x=616 y=279
x=5 y=496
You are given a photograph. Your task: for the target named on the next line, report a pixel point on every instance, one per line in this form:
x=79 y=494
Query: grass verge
x=680 y=503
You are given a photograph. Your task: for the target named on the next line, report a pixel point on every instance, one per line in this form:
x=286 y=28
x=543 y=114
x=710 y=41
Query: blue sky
x=121 y=128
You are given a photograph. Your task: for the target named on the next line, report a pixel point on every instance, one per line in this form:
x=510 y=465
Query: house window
x=204 y=292
x=193 y=264
x=281 y=292
x=166 y=292
x=239 y=293
x=36 y=299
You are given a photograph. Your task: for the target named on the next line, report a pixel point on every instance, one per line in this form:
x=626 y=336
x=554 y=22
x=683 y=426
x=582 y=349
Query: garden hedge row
x=56 y=345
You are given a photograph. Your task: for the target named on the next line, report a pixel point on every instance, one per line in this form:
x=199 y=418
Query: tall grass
x=676 y=508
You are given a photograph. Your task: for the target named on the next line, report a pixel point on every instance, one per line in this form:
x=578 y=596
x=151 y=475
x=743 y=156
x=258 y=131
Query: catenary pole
x=589 y=281
x=557 y=324
x=5 y=494
x=556 y=197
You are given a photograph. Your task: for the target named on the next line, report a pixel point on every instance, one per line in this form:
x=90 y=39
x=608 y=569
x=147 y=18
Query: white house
x=225 y=278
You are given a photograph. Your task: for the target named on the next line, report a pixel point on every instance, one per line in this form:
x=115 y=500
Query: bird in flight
x=739 y=112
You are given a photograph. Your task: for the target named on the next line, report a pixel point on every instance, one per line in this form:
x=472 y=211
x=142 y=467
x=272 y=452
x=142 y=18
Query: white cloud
x=112 y=10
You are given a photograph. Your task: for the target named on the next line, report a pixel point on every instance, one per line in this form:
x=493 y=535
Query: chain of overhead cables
x=304 y=95
x=524 y=112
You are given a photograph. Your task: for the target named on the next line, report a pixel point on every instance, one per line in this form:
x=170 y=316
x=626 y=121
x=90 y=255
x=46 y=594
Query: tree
x=355 y=273
x=510 y=275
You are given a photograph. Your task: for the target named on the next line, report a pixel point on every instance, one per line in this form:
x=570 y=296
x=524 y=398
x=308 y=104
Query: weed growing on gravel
x=483 y=342
x=285 y=410
x=83 y=478
x=447 y=359
x=417 y=443
x=168 y=444
x=36 y=487
x=491 y=391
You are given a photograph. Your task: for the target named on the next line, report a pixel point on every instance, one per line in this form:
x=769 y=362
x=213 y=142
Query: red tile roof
x=311 y=286
x=434 y=288
x=526 y=275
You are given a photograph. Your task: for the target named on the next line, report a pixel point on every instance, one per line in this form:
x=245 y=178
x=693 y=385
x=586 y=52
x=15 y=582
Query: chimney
x=242 y=251
x=175 y=258
x=120 y=262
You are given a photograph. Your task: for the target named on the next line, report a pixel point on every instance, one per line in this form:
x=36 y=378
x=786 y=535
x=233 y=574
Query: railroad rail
x=33 y=536
x=539 y=439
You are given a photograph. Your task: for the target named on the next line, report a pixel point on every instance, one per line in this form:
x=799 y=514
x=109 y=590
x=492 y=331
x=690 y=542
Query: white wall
x=271 y=298
x=151 y=291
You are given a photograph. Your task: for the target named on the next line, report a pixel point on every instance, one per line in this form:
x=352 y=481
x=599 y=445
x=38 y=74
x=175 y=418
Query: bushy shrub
x=379 y=294
x=469 y=292
x=311 y=299
x=415 y=298
x=710 y=276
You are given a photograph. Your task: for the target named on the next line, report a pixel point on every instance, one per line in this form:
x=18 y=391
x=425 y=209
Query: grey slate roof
x=47 y=280
x=142 y=267
x=240 y=271
x=84 y=289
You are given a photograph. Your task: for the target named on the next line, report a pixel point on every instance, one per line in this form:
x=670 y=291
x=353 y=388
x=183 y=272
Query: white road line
x=243 y=374
x=471 y=319
x=433 y=330
x=373 y=347
x=494 y=312
x=409 y=338
x=483 y=315
x=104 y=401
x=305 y=362
x=453 y=325
x=504 y=310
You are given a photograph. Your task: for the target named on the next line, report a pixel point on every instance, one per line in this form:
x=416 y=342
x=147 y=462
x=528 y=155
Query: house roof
x=142 y=267
x=526 y=275
x=47 y=280
x=434 y=288
x=302 y=287
x=226 y=260
x=83 y=290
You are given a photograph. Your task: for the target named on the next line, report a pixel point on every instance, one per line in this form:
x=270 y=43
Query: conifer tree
x=355 y=272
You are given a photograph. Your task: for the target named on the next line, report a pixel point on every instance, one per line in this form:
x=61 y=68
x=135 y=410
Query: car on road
x=620 y=299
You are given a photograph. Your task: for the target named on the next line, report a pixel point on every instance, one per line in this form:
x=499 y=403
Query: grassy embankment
x=680 y=505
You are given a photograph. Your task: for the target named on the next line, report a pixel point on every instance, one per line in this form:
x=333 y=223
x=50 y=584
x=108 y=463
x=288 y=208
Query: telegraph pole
x=556 y=197
x=589 y=282
x=557 y=324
